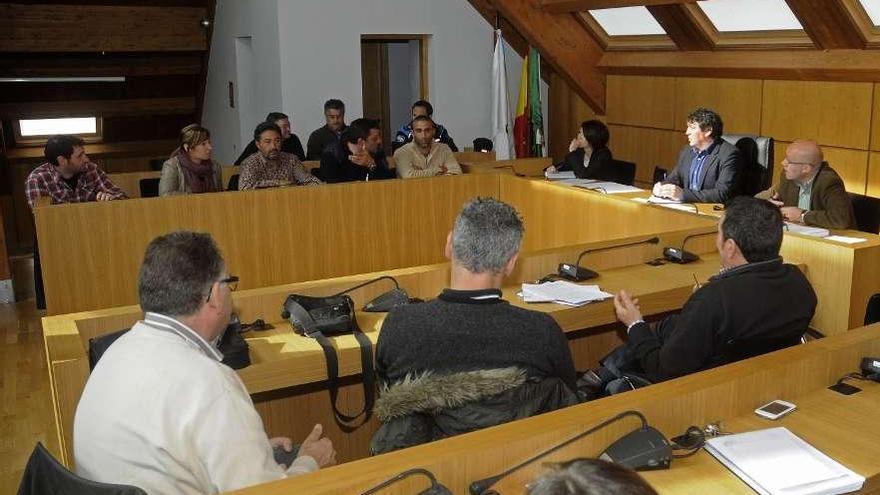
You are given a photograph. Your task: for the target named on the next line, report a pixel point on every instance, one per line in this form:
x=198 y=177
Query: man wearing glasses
x=810 y=191
x=160 y=411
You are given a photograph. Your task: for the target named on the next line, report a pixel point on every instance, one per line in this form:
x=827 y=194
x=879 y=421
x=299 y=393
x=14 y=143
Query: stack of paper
x=565 y=174
x=669 y=203
x=775 y=461
x=806 y=230
x=562 y=292
x=609 y=187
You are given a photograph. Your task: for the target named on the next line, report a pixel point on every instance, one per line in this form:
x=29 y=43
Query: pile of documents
x=776 y=461
x=562 y=292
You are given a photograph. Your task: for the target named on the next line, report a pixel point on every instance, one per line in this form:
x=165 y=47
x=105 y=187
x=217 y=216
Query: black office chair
x=659 y=175
x=99 y=345
x=233 y=183
x=872 y=311
x=867 y=211
x=757 y=154
x=621 y=172
x=737 y=350
x=157 y=163
x=44 y=475
x=149 y=187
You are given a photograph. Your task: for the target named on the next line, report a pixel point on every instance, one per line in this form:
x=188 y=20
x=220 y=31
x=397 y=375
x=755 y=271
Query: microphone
x=679 y=255
x=639 y=442
x=578 y=273
x=382 y=303
x=435 y=488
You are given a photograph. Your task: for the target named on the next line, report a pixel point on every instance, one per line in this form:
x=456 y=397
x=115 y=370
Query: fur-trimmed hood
x=429 y=392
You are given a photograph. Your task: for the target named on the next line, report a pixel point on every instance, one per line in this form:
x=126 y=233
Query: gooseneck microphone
x=435 y=488
x=480 y=487
x=679 y=255
x=578 y=273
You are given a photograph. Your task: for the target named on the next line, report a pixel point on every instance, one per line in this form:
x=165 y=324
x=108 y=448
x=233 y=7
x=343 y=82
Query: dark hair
x=262 y=127
x=334 y=104
x=755 y=226
x=596 y=133
x=353 y=132
x=708 y=120
x=590 y=477
x=366 y=125
x=422 y=118
x=177 y=273
x=273 y=116
x=424 y=104
x=61 y=146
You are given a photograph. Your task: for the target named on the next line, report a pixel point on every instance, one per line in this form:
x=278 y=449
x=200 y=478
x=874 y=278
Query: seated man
x=322 y=137
x=358 y=156
x=756 y=303
x=424 y=157
x=708 y=168
x=290 y=143
x=160 y=411
x=810 y=191
x=271 y=167
x=68 y=176
x=405 y=133
x=468 y=359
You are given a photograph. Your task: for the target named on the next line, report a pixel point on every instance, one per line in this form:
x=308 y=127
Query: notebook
x=777 y=462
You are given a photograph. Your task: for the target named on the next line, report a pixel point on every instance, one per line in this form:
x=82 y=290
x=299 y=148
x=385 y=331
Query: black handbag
x=320 y=317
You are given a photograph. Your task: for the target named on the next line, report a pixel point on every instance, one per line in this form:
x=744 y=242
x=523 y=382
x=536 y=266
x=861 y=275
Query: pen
x=696 y=281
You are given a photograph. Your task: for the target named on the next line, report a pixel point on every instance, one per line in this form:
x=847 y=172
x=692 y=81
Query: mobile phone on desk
x=775 y=409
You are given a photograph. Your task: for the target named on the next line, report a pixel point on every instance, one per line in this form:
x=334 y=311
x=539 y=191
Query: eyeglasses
x=230 y=281
x=785 y=162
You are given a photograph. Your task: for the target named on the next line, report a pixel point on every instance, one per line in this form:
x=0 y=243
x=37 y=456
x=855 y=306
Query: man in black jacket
x=708 y=168
x=756 y=304
x=469 y=359
x=328 y=134
x=358 y=156
x=290 y=143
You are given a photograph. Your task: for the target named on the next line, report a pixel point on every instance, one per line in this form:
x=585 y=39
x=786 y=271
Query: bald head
x=802 y=159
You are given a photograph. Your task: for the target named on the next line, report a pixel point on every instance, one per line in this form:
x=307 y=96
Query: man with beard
x=358 y=156
x=290 y=142
x=271 y=167
x=328 y=134
x=423 y=157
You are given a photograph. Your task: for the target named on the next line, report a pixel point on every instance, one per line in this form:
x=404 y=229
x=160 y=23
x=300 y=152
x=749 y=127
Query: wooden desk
x=287 y=370
x=844 y=427
x=527 y=167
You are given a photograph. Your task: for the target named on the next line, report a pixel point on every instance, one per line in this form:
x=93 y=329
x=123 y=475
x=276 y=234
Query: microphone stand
x=577 y=273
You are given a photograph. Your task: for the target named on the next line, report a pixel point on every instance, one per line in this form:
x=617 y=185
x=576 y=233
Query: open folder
x=777 y=462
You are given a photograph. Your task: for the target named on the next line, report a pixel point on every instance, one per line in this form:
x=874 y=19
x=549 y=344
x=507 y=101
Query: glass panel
x=749 y=15
x=51 y=127
x=623 y=21
x=872 y=7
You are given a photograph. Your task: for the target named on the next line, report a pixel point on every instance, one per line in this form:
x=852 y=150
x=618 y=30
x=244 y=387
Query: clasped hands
x=670 y=191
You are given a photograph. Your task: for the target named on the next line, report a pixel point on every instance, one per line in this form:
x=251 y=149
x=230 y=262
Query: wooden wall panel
x=647 y=148
x=835 y=114
x=641 y=101
x=875 y=120
x=874 y=176
x=851 y=165
x=737 y=100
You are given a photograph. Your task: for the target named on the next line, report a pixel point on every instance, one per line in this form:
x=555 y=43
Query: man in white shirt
x=160 y=411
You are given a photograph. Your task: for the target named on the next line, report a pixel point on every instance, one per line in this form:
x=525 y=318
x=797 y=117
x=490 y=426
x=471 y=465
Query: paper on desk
x=576 y=182
x=565 y=174
x=776 y=461
x=806 y=230
x=675 y=205
x=609 y=187
x=847 y=240
x=560 y=291
x=657 y=200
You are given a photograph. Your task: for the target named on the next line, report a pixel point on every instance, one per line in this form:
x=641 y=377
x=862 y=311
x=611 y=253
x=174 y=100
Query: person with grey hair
x=468 y=359
x=160 y=410
x=589 y=477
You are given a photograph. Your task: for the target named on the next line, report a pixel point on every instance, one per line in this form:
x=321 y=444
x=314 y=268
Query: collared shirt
x=320 y=139
x=258 y=172
x=805 y=192
x=168 y=324
x=410 y=161
x=45 y=181
x=697 y=163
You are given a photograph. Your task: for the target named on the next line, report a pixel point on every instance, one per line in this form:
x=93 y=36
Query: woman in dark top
x=588 y=154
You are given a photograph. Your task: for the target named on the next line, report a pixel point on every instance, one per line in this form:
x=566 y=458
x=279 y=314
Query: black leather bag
x=320 y=317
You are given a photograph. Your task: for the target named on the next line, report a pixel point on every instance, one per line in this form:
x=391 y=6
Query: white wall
x=315 y=55
x=232 y=19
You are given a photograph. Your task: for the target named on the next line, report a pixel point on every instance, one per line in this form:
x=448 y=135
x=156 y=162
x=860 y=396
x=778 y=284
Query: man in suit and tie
x=708 y=168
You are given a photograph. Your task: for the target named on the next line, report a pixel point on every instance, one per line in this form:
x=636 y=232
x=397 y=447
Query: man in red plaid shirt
x=69 y=176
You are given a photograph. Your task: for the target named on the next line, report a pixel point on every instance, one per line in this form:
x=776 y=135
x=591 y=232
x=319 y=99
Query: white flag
x=500 y=107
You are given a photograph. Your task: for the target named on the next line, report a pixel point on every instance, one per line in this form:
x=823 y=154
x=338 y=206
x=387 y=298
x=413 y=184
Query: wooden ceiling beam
x=828 y=23
x=682 y=27
x=804 y=65
x=564 y=44
x=65 y=66
x=510 y=33
x=564 y=6
x=100 y=28
x=144 y=106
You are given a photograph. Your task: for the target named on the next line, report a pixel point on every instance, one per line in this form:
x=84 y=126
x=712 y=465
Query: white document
x=562 y=292
x=657 y=200
x=609 y=187
x=844 y=239
x=688 y=207
x=806 y=230
x=565 y=174
x=777 y=462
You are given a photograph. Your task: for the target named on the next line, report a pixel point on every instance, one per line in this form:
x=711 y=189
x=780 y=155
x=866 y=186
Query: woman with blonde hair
x=190 y=169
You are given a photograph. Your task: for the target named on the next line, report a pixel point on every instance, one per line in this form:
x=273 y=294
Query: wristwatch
x=803 y=213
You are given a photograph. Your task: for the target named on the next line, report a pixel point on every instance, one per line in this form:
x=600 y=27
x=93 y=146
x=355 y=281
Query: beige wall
x=646 y=116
